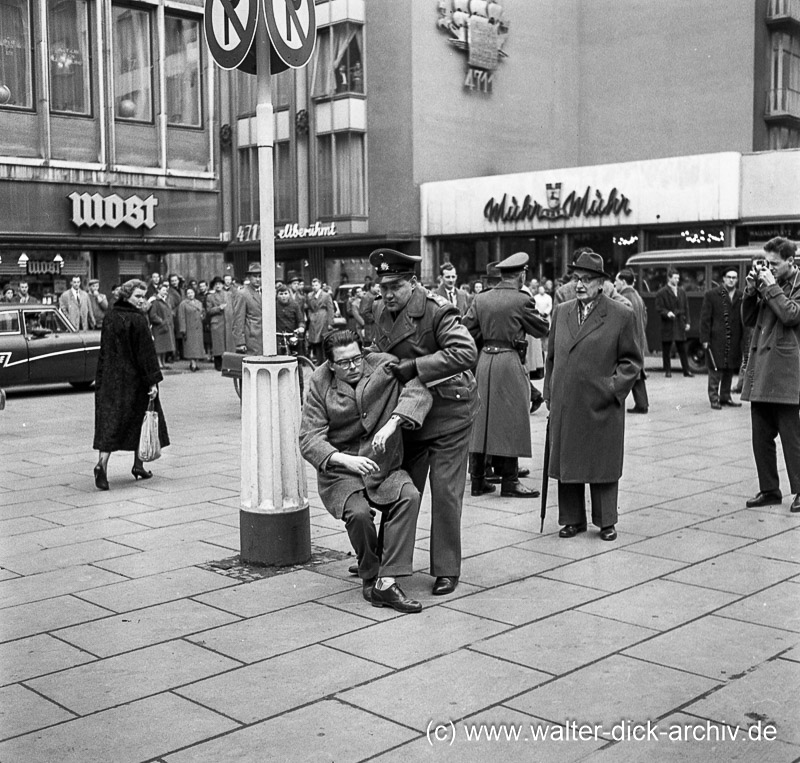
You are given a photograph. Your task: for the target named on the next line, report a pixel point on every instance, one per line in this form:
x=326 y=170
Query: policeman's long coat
x=505 y=314
x=340 y=417
x=428 y=329
x=590 y=370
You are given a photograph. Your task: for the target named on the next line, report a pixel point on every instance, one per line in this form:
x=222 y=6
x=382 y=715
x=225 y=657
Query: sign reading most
x=111 y=211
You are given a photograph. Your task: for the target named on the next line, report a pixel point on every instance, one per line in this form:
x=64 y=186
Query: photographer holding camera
x=771 y=304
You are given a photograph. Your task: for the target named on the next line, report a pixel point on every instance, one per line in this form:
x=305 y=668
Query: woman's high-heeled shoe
x=100 y=479
x=140 y=473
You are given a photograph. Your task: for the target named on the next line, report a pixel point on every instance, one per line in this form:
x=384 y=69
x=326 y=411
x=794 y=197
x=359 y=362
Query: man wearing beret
x=247 y=315
x=498 y=319
x=592 y=364
x=424 y=331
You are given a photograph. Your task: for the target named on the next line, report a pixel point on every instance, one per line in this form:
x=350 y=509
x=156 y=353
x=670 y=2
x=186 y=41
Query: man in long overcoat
x=721 y=336
x=248 y=333
x=624 y=286
x=319 y=306
x=425 y=332
x=771 y=304
x=591 y=367
x=672 y=305
x=348 y=433
x=497 y=320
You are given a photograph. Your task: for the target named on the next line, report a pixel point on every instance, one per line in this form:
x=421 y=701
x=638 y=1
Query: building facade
x=108 y=146
x=631 y=113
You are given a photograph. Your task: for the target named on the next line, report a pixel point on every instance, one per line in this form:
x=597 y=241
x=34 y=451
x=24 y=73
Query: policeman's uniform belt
x=498 y=345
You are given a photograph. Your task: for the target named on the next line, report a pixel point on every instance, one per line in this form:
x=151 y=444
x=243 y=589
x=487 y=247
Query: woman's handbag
x=149 y=444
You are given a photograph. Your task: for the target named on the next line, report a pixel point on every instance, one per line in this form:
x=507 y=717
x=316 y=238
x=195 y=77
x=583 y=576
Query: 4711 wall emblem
x=481 y=29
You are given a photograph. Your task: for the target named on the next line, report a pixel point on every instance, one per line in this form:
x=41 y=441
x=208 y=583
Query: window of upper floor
x=69 y=48
x=341 y=176
x=133 y=64
x=183 y=66
x=785 y=64
x=16 y=54
x=338 y=67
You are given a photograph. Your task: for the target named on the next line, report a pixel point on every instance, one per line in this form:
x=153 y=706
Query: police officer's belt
x=498 y=345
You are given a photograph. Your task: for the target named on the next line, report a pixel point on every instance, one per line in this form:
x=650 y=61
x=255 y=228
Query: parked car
x=38 y=345
x=701 y=270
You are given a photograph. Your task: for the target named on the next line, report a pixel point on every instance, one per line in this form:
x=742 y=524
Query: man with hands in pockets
x=349 y=432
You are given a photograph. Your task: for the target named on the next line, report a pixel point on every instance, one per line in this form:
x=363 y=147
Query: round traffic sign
x=230 y=28
x=292 y=27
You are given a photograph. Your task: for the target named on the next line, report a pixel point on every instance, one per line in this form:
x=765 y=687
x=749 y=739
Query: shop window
x=284 y=187
x=338 y=66
x=686 y=238
x=340 y=174
x=184 y=79
x=16 y=85
x=69 y=55
x=133 y=88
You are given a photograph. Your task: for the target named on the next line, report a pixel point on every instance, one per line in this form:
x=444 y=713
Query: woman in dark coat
x=127 y=379
x=162 y=323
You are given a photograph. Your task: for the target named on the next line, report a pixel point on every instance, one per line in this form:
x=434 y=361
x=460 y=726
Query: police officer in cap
x=424 y=331
x=498 y=320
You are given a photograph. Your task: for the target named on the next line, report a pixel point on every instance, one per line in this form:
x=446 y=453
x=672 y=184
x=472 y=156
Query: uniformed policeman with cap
x=498 y=319
x=424 y=331
x=247 y=321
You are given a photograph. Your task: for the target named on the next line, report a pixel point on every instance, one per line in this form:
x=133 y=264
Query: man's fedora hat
x=390 y=264
x=255 y=268
x=590 y=262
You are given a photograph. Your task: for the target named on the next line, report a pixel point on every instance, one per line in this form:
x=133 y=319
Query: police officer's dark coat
x=590 y=370
x=496 y=319
x=721 y=327
x=340 y=417
x=673 y=329
x=428 y=330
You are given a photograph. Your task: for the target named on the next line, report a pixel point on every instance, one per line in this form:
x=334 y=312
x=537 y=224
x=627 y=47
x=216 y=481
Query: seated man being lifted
x=349 y=434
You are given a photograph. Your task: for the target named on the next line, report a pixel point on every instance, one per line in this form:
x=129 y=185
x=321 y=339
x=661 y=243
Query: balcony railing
x=783 y=104
x=783 y=11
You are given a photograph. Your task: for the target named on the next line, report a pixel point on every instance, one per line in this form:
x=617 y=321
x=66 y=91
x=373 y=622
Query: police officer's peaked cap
x=255 y=268
x=513 y=264
x=590 y=262
x=390 y=264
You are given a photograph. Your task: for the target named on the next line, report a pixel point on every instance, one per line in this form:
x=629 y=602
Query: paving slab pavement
x=128 y=632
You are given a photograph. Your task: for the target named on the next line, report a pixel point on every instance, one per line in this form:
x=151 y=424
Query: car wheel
x=697 y=357
x=82 y=385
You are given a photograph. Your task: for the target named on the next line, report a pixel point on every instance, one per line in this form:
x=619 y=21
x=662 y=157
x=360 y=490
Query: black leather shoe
x=730 y=403
x=570 y=531
x=795 y=507
x=140 y=473
x=393 y=597
x=765 y=498
x=608 y=533
x=688 y=373
x=516 y=489
x=481 y=487
x=367 y=584
x=522 y=473
x=444 y=585
x=716 y=406
x=353 y=569
x=637 y=410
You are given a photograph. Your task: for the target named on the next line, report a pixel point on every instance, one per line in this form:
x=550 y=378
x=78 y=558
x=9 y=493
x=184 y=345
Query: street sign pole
x=274 y=520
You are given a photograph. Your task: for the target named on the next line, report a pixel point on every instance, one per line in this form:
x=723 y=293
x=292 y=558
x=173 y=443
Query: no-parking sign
x=230 y=28
x=292 y=27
